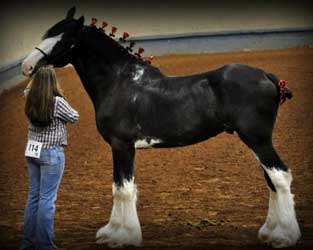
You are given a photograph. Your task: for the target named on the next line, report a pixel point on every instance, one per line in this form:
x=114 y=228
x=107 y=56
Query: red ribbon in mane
x=283 y=90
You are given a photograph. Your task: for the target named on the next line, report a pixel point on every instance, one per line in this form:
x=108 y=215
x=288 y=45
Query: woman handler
x=47 y=112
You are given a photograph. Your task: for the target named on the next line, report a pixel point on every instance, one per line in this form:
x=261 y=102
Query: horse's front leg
x=124 y=227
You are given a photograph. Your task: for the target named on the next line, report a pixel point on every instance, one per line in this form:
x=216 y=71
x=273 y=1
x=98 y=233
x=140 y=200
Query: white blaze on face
x=35 y=56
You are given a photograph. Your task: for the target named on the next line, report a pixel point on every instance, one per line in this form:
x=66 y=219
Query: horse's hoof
x=280 y=237
x=285 y=236
x=118 y=236
x=264 y=234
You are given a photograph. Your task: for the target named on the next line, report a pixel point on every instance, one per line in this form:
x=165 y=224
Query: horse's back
x=238 y=84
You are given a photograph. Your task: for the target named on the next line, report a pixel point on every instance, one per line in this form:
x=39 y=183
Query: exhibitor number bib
x=33 y=149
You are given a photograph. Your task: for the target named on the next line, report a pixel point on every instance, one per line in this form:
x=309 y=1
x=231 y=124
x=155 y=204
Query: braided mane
x=121 y=51
x=99 y=33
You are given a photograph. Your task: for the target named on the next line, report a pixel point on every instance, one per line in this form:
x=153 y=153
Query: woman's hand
x=29 y=85
x=26 y=90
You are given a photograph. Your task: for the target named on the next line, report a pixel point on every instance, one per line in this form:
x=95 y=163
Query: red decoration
x=283 y=89
x=104 y=24
x=140 y=51
x=132 y=44
x=125 y=35
x=130 y=47
x=114 y=29
x=93 y=21
x=148 y=59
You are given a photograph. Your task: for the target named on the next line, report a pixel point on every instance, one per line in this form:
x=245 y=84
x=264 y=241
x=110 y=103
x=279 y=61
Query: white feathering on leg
x=281 y=228
x=123 y=227
x=271 y=219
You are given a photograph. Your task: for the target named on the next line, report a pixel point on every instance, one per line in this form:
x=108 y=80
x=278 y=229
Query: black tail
x=283 y=91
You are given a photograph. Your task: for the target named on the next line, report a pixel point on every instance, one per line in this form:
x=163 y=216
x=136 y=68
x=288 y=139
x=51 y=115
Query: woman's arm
x=64 y=111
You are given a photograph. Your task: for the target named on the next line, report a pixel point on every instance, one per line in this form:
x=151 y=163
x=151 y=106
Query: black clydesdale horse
x=137 y=106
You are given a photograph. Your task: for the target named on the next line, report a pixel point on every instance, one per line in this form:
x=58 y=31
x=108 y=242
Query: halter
x=42 y=52
x=51 y=59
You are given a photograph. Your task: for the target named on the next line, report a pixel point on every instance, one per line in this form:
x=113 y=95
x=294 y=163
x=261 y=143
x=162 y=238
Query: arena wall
x=174 y=27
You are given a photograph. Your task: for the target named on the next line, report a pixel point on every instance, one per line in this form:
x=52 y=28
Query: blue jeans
x=45 y=176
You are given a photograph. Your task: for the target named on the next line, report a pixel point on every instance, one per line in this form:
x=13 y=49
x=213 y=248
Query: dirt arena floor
x=211 y=195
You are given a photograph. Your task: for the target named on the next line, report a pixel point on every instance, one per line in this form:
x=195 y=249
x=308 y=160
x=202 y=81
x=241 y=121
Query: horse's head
x=56 y=46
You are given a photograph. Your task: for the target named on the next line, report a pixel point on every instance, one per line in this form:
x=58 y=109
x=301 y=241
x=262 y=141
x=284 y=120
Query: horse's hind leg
x=281 y=228
x=123 y=228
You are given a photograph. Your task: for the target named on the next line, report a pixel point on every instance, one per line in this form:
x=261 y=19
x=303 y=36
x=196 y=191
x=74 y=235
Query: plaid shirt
x=55 y=134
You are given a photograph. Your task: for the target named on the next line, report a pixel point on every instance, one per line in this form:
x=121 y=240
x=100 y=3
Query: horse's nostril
x=31 y=67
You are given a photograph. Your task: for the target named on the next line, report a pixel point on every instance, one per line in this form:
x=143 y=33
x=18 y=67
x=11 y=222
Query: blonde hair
x=40 y=99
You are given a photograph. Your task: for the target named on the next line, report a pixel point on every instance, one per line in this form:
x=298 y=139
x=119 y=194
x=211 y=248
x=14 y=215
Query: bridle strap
x=42 y=52
x=49 y=59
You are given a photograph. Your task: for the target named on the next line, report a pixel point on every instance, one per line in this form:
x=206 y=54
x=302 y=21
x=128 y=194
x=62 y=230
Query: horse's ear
x=71 y=12
x=80 y=21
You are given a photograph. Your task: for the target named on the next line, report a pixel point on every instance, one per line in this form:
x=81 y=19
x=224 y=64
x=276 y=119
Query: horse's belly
x=176 y=138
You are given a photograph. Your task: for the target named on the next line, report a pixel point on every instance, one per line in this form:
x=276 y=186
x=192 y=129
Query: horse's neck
x=96 y=69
